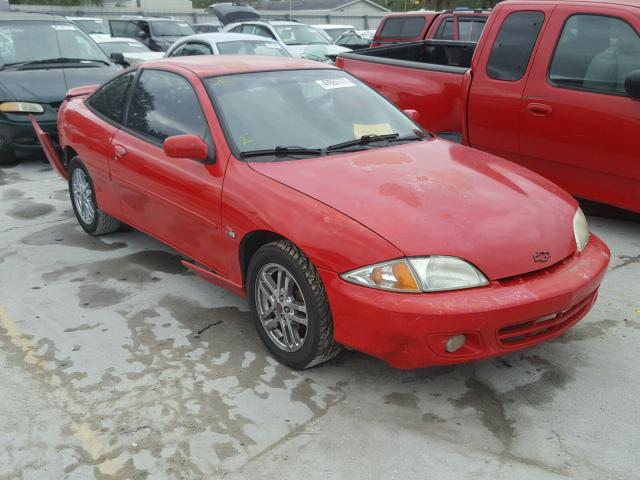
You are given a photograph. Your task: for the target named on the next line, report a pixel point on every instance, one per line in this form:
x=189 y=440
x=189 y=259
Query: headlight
x=419 y=274
x=580 y=229
x=21 y=107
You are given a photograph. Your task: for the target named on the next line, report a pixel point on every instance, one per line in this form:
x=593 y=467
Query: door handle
x=120 y=151
x=539 y=109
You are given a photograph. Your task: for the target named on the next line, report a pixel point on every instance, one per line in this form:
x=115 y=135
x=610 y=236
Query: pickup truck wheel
x=289 y=306
x=83 y=198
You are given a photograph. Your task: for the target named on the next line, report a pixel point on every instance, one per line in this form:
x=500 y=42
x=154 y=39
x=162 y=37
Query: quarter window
x=195 y=49
x=111 y=98
x=513 y=46
x=164 y=104
x=445 y=30
x=595 y=53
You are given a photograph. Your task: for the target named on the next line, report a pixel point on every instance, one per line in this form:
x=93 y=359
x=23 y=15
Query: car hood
x=137 y=57
x=439 y=198
x=49 y=85
x=310 y=51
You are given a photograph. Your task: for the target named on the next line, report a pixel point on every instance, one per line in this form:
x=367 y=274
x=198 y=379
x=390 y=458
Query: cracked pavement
x=117 y=363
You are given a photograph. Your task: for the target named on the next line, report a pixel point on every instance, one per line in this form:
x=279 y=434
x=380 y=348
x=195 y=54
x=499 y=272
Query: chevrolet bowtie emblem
x=541 y=257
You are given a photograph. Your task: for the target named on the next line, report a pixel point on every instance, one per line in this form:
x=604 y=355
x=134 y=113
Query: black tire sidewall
x=74 y=164
x=301 y=358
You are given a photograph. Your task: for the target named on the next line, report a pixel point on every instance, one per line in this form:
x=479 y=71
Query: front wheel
x=289 y=306
x=83 y=198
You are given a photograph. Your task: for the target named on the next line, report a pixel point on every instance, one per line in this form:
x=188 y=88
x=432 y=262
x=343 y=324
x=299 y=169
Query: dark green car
x=41 y=57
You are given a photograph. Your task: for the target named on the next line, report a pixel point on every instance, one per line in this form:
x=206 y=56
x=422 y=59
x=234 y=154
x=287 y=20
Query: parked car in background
x=206 y=154
x=41 y=56
x=206 y=27
x=127 y=51
x=552 y=85
x=156 y=33
x=302 y=41
x=96 y=27
x=333 y=31
x=460 y=25
x=226 y=44
x=355 y=39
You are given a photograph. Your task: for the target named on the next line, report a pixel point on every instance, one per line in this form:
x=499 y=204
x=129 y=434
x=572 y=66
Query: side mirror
x=632 y=84
x=186 y=146
x=412 y=114
x=142 y=34
x=118 y=59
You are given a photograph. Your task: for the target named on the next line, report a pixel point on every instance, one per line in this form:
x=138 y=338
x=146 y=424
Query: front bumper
x=21 y=136
x=411 y=330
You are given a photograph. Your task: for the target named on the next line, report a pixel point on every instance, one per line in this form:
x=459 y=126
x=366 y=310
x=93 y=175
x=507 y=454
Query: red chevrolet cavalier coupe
x=293 y=183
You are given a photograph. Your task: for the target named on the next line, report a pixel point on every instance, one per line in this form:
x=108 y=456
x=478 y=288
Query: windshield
x=303 y=108
x=121 y=47
x=300 y=35
x=165 y=28
x=29 y=41
x=251 y=47
x=93 y=26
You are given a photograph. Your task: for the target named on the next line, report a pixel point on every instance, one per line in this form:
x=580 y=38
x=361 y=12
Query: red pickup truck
x=552 y=85
x=463 y=25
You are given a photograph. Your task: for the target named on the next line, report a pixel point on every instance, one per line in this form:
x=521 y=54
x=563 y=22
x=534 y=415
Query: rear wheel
x=289 y=306
x=83 y=198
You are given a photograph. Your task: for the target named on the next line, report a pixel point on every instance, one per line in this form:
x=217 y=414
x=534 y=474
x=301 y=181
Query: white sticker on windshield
x=99 y=22
x=63 y=27
x=272 y=45
x=183 y=24
x=331 y=83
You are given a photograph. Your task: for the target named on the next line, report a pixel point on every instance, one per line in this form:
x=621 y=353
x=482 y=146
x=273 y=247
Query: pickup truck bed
x=438 y=70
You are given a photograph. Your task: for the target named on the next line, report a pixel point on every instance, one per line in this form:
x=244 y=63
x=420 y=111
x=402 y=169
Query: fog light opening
x=455 y=343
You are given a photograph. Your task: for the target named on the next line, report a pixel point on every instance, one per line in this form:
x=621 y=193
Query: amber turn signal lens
x=404 y=278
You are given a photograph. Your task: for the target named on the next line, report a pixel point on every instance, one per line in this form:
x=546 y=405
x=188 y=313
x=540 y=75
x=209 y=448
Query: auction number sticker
x=63 y=27
x=332 y=83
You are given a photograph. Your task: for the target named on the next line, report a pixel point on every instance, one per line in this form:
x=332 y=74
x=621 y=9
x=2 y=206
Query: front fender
x=330 y=239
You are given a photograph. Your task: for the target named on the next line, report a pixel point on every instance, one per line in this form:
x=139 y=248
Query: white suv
x=300 y=40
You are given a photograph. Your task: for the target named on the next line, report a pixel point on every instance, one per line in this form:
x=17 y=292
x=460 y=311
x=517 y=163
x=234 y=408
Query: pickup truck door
x=177 y=200
x=578 y=127
x=500 y=70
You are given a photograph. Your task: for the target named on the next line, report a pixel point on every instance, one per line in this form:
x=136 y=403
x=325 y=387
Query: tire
x=318 y=344
x=99 y=223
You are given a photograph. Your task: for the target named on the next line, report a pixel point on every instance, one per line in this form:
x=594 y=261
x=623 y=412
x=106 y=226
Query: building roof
x=283 y=5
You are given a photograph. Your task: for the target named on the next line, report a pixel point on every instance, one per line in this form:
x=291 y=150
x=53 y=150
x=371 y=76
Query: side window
x=262 y=31
x=595 y=53
x=177 y=52
x=164 y=104
x=445 y=30
x=513 y=46
x=195 y=48
x=407 y=27
x=238 y=29
x=111 y=98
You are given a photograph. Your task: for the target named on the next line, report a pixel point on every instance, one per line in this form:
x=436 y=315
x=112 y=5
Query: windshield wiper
x=367 y=139
x=55 y=60
x=281 y=152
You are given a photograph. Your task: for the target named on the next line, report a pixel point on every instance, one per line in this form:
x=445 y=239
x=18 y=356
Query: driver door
x=176 y=200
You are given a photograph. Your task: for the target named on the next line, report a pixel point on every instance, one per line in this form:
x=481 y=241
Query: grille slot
x=533 y=331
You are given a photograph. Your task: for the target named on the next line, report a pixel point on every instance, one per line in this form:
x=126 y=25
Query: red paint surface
x=351 y=210
x=585 y=142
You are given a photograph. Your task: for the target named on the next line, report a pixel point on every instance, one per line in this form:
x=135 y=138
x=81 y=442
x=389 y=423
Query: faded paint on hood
x=439 y=198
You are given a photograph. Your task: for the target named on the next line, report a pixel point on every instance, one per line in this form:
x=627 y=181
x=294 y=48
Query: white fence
x=199 y=16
